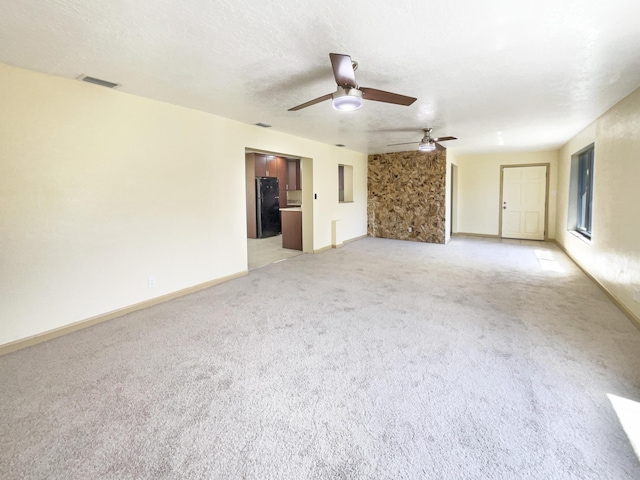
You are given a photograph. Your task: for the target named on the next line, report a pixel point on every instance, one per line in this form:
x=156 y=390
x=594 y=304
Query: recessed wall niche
x=345 y=183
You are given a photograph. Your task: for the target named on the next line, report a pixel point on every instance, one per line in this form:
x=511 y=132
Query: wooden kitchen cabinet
x=272 y=166
x=283 y=195
x=261 y=165
x=280 y=171
x=291 y=229
x=293 y=175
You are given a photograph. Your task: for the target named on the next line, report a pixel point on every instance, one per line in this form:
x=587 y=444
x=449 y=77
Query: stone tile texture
x=406 y=196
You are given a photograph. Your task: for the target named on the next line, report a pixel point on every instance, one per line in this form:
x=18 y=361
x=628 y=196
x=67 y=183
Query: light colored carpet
x=380 y=360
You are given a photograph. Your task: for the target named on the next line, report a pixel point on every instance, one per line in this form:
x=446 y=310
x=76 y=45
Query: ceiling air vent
x=97 y=81
x=340 y=145
x=263 y=125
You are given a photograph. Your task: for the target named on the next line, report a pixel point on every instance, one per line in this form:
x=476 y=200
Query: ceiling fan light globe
x=346 y=104
x=427 y=147
x=347 y=99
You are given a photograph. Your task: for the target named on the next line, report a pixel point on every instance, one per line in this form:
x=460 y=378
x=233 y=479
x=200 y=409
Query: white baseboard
x=623 y=308
x=58 y=332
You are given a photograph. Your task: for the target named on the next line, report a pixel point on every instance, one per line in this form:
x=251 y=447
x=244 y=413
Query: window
x=345 y=183
x=581 y=192
x=585 y=192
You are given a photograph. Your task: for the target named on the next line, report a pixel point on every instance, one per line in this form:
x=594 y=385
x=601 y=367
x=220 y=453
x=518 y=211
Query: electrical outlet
x=636 y=295
x=152 y=282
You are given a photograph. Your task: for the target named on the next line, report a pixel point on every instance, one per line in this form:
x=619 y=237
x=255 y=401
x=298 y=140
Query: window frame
x=584 y=213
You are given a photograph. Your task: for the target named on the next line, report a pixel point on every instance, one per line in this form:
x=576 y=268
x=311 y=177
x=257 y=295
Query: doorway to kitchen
x=278 y=227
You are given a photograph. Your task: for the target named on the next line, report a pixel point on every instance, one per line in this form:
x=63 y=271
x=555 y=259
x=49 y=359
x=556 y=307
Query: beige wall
x=100 y=190
x=352 y=215
x=613 y=255
x=479 y=189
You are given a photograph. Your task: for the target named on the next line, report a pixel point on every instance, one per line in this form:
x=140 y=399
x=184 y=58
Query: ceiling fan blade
x=343 y=70
x=439 y=147
x=405 y=143
x=442 y=139
x=388 y=97
x=312 y=102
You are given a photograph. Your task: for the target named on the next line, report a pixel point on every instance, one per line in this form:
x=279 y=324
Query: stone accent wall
x=406 y=196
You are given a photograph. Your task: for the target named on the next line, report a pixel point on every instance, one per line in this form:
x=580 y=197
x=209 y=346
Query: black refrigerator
x=267 y=207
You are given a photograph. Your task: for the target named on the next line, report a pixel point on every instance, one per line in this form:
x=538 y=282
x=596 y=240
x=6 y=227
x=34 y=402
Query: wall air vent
x=263 y=125
x=97 y=81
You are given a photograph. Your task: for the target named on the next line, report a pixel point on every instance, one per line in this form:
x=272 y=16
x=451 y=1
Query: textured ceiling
x=498 y=74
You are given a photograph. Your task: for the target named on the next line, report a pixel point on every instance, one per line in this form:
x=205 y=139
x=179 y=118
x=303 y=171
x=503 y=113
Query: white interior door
x=524 y=193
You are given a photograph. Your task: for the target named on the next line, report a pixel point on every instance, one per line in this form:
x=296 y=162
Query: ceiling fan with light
x=428 y=143
x=348 y=95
